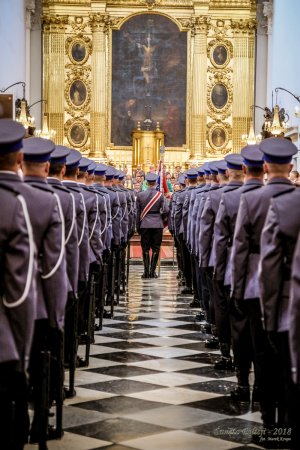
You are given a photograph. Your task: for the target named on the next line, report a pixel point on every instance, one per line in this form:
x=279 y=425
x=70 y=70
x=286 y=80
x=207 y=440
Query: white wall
x=285 y=57
x=12 y=38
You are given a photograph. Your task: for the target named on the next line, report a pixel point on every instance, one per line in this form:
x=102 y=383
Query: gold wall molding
x=103 y=22
x=243 y=26
x=54 y=22
x=196 y=24
x=79 y=24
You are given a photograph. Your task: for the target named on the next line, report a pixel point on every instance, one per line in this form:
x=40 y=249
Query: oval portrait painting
x=218 y=137
x=78 y=93
x=77 y=134
x=219 y=95
x=220 y=55
x=78 y=51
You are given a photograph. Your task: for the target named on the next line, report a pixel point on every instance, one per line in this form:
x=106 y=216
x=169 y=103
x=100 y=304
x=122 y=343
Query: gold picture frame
x=220 y=53
x=218 y=135
x=77 y=132
x=78 y=49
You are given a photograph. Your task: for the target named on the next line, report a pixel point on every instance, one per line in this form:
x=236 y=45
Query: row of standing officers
x=238 y=250
x=64 y=235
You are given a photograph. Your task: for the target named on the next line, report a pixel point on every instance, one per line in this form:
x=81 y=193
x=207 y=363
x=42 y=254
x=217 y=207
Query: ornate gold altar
x=78 y=44
x=146 y=148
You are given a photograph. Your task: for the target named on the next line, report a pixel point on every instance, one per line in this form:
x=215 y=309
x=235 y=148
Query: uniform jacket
x=250 y=220
x=186 y=209
x=224 y=228
x=92 y=208
x=194 y=192
x=124 y=212
x=207 y=221
x=278 y=241
x=104 y=193
x=82 y=229
x=71 y=235
x=193 y=220
x=48 y=233
x=203 y=196
x=130 y=200
x=294 y=315
x=116 y=215
x=154 y=217
x=179 y=201
x=17 y=282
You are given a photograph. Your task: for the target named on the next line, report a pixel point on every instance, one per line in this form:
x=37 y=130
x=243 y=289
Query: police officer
x=56 y=173
x=171 y=225
x=79 y=301
x=180 y=221
x=192 y=180
x=207 y=258
x=278 y=241
x=17 y=294
x=246 y=251
x=223 y=232
x=150 y=207
x=37 y=154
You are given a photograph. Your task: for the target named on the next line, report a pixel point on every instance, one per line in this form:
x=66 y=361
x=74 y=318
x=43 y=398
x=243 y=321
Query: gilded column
x=243 y=85
x=99 y=26
x=199 y=88
x=54 y=27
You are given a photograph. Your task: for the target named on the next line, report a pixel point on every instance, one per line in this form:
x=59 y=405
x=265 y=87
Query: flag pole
x=162 y=154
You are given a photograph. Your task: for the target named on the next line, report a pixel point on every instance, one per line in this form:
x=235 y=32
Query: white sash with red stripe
x=150 y=204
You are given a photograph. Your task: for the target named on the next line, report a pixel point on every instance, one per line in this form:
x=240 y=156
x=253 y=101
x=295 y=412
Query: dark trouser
x=178 y=253
x=195 y=276
x=272 y=368
x=186 y=261
x=258 y=338
x=151 y=238
x=241 y=342
x=14 y=420
x=205 y=296
x=208 y=279
x=83 y=302
x=221 y=304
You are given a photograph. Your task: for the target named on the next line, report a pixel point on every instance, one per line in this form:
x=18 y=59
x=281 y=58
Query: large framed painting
x=149 y=79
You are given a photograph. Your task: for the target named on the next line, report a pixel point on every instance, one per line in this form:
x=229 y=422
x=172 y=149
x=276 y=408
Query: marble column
x=99 y=26
x=199 y=89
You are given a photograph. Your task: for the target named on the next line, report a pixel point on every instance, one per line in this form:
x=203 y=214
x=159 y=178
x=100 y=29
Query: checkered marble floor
x=151 y=384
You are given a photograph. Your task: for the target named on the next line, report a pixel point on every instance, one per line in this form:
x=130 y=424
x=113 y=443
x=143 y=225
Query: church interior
x=132 y=84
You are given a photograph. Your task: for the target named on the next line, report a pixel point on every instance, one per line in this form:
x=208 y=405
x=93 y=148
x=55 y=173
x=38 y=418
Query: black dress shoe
x=195 y=303
x=187 y=290
x=241 y=394
x=205 y=328
x=81 y=362
x=224 y=363
x=106 y=314
x=201 y=317
x=212 y=342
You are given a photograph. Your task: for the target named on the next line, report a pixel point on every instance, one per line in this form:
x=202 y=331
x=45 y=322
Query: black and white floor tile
x=151 y=384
